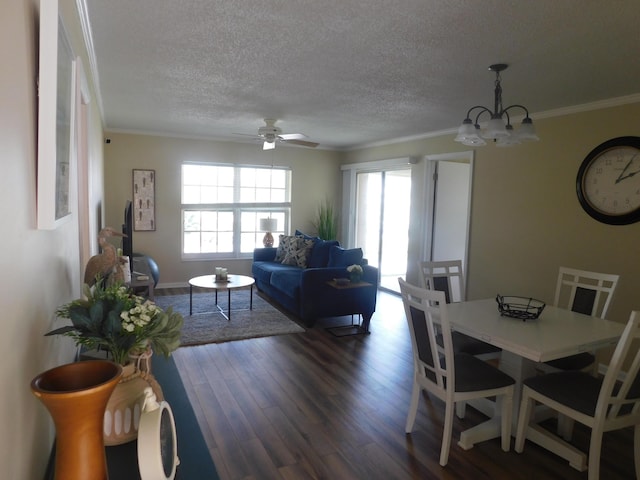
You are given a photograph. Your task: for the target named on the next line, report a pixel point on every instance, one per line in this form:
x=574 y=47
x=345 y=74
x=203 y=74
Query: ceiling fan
x=270 y=135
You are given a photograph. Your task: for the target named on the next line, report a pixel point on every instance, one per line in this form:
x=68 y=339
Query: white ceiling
x=351 y=72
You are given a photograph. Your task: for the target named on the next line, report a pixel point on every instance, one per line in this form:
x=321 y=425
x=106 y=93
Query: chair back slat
x=425 y=318
x=445 y=276
x=618 y=399
x=585 y=292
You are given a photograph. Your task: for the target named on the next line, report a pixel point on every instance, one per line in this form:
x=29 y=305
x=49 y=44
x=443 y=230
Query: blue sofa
x=307 y=291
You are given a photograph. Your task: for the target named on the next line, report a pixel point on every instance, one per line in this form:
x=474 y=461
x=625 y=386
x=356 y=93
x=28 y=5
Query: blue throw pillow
x=320 y=253
x=305 y=236
x=319 y=256
x=339 y=257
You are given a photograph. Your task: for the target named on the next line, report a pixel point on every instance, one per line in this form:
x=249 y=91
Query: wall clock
x=608 y=182
x=157 y=440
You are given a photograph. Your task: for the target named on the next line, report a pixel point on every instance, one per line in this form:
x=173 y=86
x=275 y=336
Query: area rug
x=207 y=325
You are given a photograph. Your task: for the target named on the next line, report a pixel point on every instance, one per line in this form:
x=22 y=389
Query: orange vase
x=76 y=396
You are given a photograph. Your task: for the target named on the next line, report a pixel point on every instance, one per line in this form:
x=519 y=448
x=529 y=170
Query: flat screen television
x=127 y=229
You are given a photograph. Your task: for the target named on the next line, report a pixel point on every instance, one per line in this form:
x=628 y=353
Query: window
x=222 y=206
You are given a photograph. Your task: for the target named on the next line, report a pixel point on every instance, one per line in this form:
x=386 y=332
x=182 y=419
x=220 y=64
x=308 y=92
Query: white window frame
x=280 y=210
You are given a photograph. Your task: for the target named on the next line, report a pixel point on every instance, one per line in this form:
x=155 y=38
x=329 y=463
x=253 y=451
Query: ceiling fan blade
x=257 y=137
x=292 y=136
x=303 y=143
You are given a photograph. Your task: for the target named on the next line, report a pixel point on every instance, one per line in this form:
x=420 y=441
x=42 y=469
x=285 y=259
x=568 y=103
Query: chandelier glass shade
x=498 y=128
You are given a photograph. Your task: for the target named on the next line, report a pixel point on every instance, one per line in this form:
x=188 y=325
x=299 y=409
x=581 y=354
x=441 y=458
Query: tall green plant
x=326 y=222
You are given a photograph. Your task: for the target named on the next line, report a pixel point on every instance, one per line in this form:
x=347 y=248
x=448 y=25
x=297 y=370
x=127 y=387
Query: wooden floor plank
x=312 y=405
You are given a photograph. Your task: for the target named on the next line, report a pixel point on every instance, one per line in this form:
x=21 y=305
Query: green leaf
x=112 y=326
x=61 y=330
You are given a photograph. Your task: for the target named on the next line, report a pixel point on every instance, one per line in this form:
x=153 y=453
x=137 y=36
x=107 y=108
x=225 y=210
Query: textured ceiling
x=351 y=72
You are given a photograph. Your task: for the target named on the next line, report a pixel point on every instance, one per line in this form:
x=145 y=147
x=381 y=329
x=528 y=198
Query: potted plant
x=112 y=318
x=326 y=222
x=355 y=273
x=128 y=327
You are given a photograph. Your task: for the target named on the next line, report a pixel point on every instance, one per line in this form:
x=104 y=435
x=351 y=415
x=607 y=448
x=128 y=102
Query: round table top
x=234 y=281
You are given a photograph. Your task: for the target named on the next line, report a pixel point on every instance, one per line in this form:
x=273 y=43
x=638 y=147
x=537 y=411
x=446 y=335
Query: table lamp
x=268 y=225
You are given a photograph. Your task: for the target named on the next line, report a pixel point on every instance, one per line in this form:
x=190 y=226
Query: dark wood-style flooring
x=315 y=406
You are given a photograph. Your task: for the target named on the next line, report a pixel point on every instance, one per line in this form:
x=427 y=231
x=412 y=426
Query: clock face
x=608 y=182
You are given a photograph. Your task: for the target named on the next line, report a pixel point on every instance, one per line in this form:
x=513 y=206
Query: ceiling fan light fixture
x=270 y=135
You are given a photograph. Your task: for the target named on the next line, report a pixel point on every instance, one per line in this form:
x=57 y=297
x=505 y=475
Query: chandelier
x=498 y=128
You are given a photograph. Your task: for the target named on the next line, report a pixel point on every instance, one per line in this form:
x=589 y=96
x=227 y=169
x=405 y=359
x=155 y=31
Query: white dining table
x=556 y=333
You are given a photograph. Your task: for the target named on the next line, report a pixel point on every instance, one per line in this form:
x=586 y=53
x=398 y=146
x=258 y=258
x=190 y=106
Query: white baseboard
x=173 y=285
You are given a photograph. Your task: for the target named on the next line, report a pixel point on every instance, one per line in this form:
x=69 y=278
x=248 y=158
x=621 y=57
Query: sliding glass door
x=383 y=201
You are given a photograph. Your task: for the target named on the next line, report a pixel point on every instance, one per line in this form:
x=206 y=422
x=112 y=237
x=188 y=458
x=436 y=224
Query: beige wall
x=526 y=219
x=315 y=174
x=41 y=269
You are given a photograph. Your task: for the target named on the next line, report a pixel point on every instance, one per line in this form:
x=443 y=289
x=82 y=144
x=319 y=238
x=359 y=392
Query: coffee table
x=233 y=282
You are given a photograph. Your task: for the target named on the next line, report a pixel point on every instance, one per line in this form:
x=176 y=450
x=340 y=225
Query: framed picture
x=56 y=119
x=144 y=200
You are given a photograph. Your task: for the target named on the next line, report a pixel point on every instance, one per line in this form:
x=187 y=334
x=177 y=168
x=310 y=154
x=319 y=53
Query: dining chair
x=447 y=276
x=583 y=292
x=602 y=404
x=449 y=376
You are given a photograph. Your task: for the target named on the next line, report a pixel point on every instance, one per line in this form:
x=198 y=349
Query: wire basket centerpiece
x=522 y=308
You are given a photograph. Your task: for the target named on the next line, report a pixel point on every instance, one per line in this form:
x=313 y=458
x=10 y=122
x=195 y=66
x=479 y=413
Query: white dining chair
x=602 y=404
x=585 y=292
x=450 y=377
x=447 y=276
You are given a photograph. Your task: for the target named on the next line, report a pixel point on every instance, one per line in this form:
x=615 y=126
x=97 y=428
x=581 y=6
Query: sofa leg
x=366 y=318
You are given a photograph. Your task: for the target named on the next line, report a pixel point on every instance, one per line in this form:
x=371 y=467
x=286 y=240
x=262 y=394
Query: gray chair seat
x=579 y=361
x=575 y=389
x=465 y=344
x=473 y=374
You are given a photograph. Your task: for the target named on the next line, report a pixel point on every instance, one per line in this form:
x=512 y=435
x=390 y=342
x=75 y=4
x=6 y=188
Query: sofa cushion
x=262 y=271
x=287 y=281
x=340 y=257
x=319 y=256
x=298 y=257
x=286 y=245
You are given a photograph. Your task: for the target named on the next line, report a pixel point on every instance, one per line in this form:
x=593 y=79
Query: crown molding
x=85 y=24
x=558 y=112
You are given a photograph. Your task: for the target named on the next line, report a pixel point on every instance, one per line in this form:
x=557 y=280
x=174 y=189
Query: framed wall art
x=144 y=200
x=56 y=119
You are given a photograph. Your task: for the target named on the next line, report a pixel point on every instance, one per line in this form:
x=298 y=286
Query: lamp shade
x=268 y=224
x=527 y=131
x=495 y=129
x=474 y=142
x=512 y=139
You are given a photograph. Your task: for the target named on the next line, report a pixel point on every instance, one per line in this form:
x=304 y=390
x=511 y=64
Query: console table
x=195 y=459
